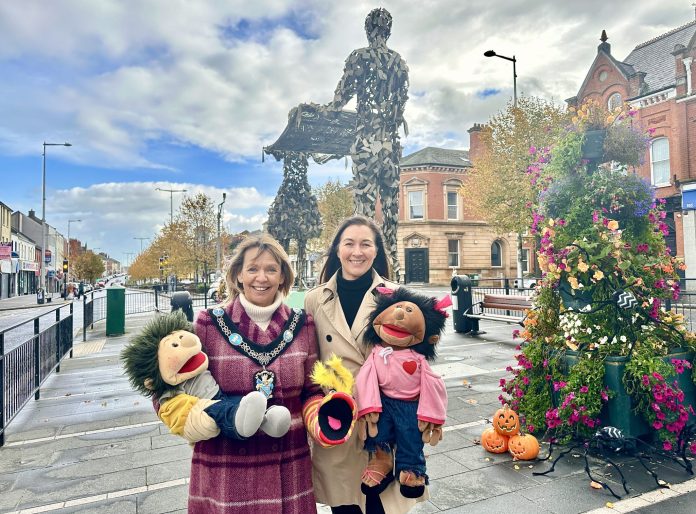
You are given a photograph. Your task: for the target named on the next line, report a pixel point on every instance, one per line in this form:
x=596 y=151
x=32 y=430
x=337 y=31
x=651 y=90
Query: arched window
x=614 y=101
x=496 y=254
x=659 y=161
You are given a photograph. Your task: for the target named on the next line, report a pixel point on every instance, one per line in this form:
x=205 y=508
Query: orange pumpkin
x=523 y=447
x=493 y=442
x=506 y=421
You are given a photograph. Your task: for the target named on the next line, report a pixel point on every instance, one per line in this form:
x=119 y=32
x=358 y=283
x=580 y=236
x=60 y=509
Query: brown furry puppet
x=165 y=361
x=403 y=401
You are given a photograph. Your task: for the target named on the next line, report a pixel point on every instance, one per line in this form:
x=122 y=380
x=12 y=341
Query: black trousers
x=373 y=505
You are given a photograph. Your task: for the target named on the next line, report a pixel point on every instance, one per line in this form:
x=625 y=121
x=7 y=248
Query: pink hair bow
x=442 y=304
x=385 y=291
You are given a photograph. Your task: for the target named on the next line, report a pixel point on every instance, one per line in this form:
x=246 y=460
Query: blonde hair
x=263 y=243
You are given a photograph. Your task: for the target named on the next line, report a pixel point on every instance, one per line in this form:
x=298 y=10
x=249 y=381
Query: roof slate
x=654 y=57
x=437 y=157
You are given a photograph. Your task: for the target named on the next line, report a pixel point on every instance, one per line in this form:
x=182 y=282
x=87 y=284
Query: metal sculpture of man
x=378 y=78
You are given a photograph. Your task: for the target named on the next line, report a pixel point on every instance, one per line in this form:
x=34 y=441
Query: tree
x=294 y=214
x=195 y=234
x=335 y=202
x=88 y=266
x=498 y=189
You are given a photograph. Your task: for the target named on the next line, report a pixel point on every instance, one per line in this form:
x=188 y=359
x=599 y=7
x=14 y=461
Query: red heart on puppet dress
x=410 y=367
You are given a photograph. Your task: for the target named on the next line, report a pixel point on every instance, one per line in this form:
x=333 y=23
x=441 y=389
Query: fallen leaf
x=610 y=505
x=477 y=440
x=516 y=466
x=595 y=485
x=487 y=459
x=469 y=401
x=465 y=381
x=660 y=482
x=530 y=467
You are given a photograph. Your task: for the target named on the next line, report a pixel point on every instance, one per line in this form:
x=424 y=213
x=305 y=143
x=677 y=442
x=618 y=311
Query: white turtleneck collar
x=261 y=315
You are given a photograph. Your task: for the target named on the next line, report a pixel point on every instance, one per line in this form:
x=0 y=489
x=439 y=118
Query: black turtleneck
x=351 y=294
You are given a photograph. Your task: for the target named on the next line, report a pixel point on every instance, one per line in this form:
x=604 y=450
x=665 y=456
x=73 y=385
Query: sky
x=175 y=94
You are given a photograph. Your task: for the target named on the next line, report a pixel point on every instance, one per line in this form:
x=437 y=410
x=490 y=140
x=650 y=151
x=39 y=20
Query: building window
x=496 y=254
x=525 y=260
x=452 y=205
x=614 y=102
x=415 y=205
x=453 y=253
x=659 y=161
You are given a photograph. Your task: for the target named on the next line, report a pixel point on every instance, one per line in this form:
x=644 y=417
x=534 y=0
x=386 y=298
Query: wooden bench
x=517 y=303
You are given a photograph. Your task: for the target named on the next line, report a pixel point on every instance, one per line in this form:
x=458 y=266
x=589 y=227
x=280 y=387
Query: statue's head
x=378 y=24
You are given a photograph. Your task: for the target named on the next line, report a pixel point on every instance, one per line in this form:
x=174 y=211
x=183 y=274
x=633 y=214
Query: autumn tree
x=196 y=234
x=335 y=202
x=498 y=189
x=88 y=266
x=294 y=214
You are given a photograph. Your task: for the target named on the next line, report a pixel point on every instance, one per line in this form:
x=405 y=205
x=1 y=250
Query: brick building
x=436 y=236
x=658 y=79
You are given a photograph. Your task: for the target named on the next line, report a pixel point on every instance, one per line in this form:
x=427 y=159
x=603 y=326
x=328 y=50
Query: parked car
x=214 y=291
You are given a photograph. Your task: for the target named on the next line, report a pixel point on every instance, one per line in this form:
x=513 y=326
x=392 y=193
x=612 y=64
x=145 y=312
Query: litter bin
x=115 y=311
x=462 y=300
x=40 y=295
x=182 y=300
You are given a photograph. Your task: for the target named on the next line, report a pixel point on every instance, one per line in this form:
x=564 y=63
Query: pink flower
x=657 y=425
x=557 y=386
x=584 y=389
x=667 y=446
x=604 y=396
x=530 y=428
x=525 y=379
x=515 y=334
x=532 y=150
x=502 y=382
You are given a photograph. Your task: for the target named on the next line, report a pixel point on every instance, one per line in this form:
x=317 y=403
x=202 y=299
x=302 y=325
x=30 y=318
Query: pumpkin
x=506 y=421
x=523 y=447
x=493 y=442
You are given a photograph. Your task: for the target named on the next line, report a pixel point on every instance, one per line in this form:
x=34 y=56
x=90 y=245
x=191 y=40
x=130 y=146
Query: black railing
x=686 y=304
x=35 y=354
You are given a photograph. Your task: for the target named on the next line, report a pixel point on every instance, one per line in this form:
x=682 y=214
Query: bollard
x=182 y=300
x=462 y=301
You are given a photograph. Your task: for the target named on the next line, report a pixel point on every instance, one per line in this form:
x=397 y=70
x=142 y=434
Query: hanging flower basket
x=593 y=145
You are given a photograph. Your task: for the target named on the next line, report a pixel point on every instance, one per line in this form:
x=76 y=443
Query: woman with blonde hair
x=255 y=342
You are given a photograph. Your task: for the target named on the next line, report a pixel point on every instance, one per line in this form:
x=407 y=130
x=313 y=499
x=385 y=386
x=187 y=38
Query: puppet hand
x=432 y=433
x=199 y=425
x=371 y=420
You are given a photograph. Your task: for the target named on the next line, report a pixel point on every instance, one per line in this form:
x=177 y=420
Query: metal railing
x=28 y=364
x=502 y=286
x=686 y=304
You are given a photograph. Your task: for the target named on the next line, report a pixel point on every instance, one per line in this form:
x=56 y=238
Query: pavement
x=91 y=444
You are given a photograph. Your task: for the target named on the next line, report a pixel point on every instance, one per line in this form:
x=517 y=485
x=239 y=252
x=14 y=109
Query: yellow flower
x=573 y=282
x=613 y=225
x=582 y=266
x=610 y=120
x=598 y=275
x=551 y=222
x=552 y=268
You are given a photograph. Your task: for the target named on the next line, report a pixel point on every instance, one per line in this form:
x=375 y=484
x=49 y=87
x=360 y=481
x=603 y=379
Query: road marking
x=79 y=434
x=649 y=498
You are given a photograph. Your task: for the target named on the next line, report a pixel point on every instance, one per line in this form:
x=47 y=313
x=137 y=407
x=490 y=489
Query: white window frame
x=500 y=254
x=448 y=205
x=609 y=101
x=451 y=253
x=525 y=260
x=653 y=179
x=411 y=205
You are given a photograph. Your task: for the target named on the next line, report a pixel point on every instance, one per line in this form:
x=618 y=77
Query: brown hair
x=333 y=263
x=264 y=243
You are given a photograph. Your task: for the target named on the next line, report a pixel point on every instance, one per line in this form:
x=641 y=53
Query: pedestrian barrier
x=31 y=360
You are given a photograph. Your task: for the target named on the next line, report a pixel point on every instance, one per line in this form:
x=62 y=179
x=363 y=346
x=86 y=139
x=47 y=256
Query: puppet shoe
x=276 y=422
x=412 y=485
x=250 y=414
x=378 y=473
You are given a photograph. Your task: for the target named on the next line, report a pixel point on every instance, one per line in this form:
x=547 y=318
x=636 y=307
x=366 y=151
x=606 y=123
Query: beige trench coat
x=337 y=471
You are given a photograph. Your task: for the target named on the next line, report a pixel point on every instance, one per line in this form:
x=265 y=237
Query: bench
x=504 y=302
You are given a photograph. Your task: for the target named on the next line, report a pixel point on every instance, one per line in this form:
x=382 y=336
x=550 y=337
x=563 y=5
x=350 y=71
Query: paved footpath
x=91 y=444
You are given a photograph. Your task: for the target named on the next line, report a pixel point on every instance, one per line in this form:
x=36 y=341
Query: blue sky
x=183 y=95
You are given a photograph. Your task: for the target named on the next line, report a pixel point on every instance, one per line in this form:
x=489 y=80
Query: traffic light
x=161 y=263
x=65 y=265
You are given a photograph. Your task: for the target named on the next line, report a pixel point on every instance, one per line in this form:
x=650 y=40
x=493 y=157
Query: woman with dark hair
x=356 y=265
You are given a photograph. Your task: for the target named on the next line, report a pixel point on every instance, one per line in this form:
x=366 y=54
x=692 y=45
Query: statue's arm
x=346 y=86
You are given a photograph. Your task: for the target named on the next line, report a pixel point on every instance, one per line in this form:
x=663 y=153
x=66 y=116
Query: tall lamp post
x=171 y=200
x=141 y=242
x=69 y=263
x=218 y=270
x=42 y=263
x=492 y=53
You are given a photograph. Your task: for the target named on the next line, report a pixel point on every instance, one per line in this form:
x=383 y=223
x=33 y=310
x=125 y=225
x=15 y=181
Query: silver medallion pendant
x=264 y=382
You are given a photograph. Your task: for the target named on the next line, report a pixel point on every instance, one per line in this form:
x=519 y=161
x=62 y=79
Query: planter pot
x=619 y=411
x=593 y=146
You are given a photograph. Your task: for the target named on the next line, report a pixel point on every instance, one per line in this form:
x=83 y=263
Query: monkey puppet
x=403 y=401
x=165 y=361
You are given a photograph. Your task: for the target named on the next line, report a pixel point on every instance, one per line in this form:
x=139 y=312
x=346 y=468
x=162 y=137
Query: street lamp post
x=218 y=270
x=492 y=53
x=141 y=242
x=65 y=281
x=171 y=200
x=42 y=262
